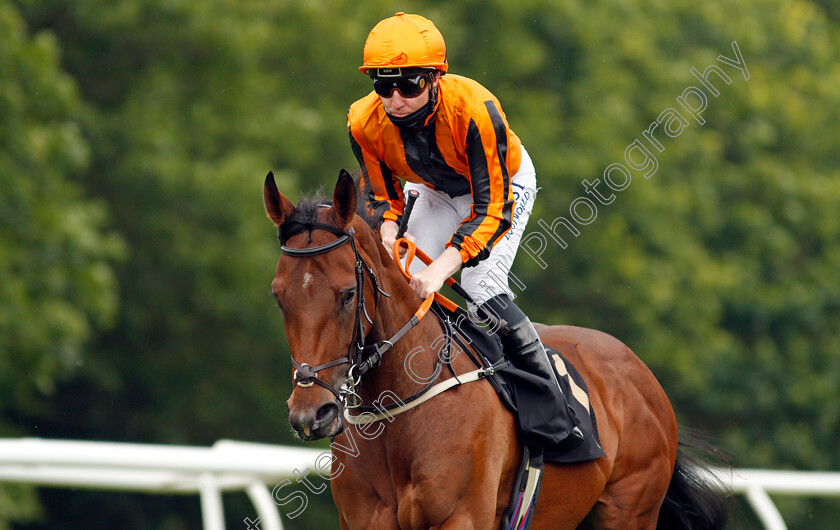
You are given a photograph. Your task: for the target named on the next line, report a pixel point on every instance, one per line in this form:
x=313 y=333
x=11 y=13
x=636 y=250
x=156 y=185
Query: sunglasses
x=410 y=87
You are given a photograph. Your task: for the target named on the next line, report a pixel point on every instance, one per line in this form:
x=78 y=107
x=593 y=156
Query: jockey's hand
x=430 y=279
x=388 y=232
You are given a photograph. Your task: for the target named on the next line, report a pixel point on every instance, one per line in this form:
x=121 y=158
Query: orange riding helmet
x=404 y=41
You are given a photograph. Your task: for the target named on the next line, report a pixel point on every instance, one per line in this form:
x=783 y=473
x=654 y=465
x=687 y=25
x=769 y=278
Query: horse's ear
x=344 y=200
x=277 y=206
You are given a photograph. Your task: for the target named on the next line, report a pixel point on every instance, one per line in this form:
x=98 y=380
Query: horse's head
x=322 y=294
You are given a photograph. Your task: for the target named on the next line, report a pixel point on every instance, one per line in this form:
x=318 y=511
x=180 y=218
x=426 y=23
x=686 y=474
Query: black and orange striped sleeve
x=381 y=190
x=486 y=150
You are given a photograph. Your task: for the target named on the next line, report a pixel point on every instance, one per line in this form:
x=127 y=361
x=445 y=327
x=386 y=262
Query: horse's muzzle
x=326 y=421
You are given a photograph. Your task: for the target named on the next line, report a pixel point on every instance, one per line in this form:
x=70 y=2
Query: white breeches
x=436 y=216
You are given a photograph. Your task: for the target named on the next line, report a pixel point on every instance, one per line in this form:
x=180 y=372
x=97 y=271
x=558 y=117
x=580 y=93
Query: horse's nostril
x=327 y=413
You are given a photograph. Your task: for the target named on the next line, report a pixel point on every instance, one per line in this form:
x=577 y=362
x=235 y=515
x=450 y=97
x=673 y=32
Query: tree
x=719 y=268
x=56 y=255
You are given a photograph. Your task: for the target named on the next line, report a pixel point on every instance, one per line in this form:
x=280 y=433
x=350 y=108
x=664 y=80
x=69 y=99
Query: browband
x=314 y=251
x=344 y=237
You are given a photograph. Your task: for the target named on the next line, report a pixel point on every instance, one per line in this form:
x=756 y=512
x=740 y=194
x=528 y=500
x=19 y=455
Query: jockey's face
x=399 y=106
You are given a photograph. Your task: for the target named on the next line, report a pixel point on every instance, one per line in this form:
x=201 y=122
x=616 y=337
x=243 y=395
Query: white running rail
x=758 y=484
x=257 y=468
x=169 y=469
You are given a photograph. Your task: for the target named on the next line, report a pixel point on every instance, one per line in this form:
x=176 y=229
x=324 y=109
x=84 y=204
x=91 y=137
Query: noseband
x=360 y=357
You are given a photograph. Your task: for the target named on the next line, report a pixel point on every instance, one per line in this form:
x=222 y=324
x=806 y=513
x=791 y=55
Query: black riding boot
x=527 y=352
x=522 y=344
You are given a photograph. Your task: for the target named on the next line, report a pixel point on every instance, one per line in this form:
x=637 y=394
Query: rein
x=361 y=357
x=433 y=388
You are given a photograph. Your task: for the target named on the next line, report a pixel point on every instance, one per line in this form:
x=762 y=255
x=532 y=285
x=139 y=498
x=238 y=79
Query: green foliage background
x=136 y=257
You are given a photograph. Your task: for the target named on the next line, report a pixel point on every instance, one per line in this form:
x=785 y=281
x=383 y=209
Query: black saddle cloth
x=535 y=402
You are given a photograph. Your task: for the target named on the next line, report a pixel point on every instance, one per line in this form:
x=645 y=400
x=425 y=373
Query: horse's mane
x=305 y=216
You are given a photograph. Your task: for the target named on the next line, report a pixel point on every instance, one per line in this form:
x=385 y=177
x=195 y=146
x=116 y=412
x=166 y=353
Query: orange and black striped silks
x=466 y=147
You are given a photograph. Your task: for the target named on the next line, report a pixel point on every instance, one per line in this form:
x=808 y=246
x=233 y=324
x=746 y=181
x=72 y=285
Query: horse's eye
x=348 y=297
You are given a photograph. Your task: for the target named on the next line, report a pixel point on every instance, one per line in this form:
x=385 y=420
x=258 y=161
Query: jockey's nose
x=398 y=102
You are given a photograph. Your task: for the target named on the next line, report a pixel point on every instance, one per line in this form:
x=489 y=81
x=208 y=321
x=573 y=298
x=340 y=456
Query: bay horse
x=451 y=461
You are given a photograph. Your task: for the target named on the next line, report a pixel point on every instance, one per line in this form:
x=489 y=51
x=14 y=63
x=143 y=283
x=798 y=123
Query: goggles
x=409 y=86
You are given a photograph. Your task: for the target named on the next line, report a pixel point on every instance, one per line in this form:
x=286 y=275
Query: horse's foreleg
x=439 y=505
x=360 y=505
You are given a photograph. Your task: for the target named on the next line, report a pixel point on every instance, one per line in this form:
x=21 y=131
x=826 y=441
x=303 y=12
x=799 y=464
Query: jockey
x=446 y=135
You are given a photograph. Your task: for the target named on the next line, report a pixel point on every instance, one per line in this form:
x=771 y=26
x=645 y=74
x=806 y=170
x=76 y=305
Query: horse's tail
x=694 y=501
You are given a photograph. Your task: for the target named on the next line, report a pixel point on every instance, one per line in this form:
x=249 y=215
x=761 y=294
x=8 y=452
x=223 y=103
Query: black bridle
x=361 y=357
x=306 y=375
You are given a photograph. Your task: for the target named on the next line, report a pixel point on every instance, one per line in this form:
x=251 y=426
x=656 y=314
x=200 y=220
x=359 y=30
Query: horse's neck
x=408 y=365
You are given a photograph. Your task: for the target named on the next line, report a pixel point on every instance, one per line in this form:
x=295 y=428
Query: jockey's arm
x=388 y=234
x=430 y=279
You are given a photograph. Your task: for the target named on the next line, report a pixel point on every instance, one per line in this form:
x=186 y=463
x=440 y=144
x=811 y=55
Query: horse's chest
x=419 y=479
